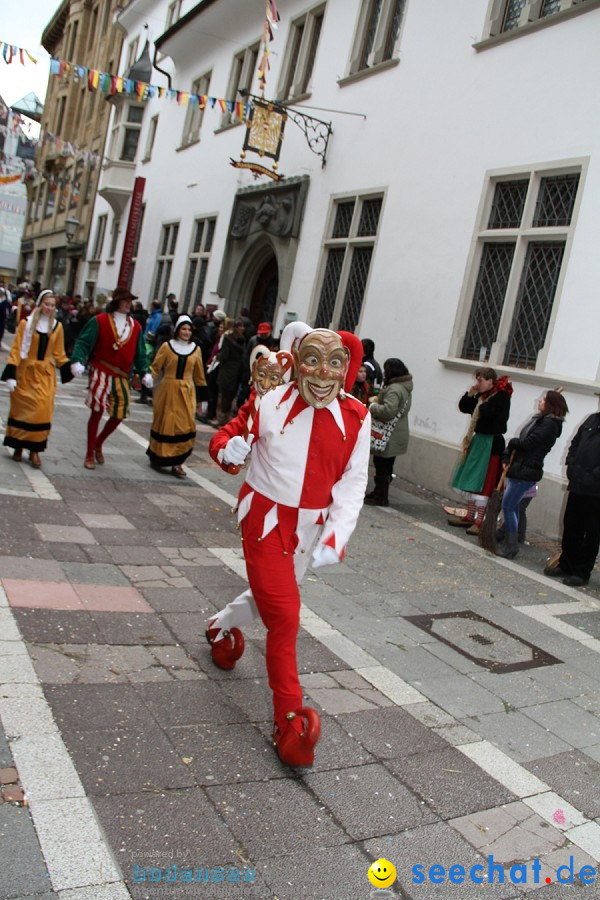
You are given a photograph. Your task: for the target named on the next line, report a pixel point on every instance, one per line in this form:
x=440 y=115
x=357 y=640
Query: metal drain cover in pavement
x=483 y=642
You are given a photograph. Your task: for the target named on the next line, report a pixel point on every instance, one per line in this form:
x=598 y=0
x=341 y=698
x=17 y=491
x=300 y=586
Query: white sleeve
x=349 y=493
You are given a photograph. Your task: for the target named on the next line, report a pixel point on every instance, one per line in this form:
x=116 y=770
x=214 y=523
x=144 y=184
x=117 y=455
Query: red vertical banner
x=135 y=212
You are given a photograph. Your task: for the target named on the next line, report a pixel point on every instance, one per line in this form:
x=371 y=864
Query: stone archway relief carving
x=276 y=210
x=265 y=220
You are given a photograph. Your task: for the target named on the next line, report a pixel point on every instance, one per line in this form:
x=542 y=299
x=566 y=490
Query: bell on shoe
x=226 y=651
x=295 y=748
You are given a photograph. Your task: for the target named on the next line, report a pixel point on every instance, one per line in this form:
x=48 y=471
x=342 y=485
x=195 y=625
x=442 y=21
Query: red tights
x=270 y=567
x=95 y=440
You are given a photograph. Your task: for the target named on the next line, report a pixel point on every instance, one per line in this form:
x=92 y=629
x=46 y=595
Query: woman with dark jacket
x=230 y=368
x=524 y=463
x=581 y=522
x=488 y=403
x=393 y=400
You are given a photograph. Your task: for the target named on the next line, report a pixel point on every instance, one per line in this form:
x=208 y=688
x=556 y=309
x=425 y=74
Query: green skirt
x=470 y=475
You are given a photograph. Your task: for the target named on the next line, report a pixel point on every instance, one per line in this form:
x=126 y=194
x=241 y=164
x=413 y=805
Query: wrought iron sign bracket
x=316 y=131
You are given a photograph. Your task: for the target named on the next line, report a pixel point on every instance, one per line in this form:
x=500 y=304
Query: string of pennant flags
x=272 y=17
x=141 y=90
x=110 y=85
x=10 y=52
x=117 y=84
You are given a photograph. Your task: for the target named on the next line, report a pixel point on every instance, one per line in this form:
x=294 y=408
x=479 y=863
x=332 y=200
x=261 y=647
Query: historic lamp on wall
x=71 y=229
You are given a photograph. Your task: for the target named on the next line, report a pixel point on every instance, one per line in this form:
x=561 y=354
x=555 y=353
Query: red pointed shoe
x=296 y=749
x=225 y=652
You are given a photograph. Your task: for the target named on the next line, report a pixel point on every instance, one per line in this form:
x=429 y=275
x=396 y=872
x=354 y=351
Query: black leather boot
x=509 y=548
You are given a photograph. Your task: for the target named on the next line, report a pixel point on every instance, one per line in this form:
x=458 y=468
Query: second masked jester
x=302 y=494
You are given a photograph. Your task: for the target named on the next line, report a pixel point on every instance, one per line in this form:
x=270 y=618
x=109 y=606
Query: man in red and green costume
x=112 y=344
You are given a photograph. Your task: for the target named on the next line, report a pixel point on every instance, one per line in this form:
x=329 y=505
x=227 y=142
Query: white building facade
x=455 y=220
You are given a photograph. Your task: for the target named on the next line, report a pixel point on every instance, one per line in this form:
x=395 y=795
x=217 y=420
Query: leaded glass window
x=370 y=32
x=343 y=219
x=369 y=217
x=534 y=303
x=511 y=307
x=355 y=289
x=202 y=239
x=164 y=262
x=508 y=204
x=556 y=200
x=549 y=7
x=333 y=270
x=379 y=29
x=488 y=302
x=394 y=28
x=349 y=250
x=512 y=14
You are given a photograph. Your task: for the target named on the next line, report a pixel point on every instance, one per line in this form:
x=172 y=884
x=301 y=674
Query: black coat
x=536 y=440
x=230 y=362
x=583 y=458
x=493 y=416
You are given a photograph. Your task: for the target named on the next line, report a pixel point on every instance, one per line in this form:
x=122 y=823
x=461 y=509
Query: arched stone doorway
x=265 y=292
x=260 y=251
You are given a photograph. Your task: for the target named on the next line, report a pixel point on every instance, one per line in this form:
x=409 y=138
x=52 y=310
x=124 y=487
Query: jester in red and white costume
x=113 y=345
x=309 y=452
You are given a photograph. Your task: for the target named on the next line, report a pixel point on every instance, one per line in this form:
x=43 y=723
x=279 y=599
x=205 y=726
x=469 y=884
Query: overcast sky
x=23 y=27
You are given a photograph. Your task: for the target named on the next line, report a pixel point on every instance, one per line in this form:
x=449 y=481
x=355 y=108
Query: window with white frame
x=114 y=237
x=126 y=128
x=300 y=54
x=39 y=202
x=60 y=115
x=528 y=219
x=195 y=111
x=173 y=14
x=164 y=261
x=76 y=185
x=51 y=190
x=132 y=52
x=348 y=250
x=150 y=139
x=377 y=34
x=99 y=237
x=202 y=240
x=507 y=16
x=240 y=79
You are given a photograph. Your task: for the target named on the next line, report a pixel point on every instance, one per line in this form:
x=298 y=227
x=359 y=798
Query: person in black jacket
x=581 y=522
x=487 y=401
x=524 y=463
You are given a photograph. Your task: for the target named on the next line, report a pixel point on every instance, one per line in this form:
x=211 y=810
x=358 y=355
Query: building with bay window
x=74 y=122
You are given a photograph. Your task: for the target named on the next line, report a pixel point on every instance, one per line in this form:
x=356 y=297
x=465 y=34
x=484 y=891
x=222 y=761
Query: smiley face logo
x=381 y=873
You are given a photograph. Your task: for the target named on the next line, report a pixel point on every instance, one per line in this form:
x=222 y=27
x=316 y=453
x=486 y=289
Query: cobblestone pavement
x=459 y=694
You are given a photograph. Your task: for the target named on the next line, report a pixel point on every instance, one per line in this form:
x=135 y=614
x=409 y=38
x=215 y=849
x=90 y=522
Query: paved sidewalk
x=460 y=698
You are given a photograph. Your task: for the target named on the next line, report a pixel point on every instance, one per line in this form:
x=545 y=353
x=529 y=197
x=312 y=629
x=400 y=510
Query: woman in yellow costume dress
x=30 y=375
x=178 y=362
